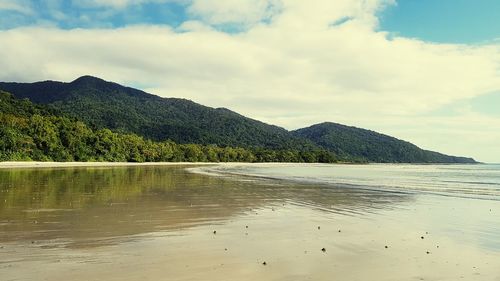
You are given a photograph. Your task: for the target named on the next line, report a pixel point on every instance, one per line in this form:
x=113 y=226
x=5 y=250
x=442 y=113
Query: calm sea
x=470 y=181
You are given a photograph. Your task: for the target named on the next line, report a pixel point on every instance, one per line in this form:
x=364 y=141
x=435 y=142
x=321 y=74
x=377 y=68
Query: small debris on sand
x=386 y=246
x=215 y=232
x=264 y=263
x=323 y=250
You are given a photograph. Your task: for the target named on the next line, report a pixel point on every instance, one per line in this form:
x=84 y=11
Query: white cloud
x=295 y=71
x=106 y=3
x=235 y=11
x=120 y=4
x=20 y=6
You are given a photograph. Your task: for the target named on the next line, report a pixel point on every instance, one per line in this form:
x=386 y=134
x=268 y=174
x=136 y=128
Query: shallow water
x=158 y=223
x=470 y=181
x=86 y=205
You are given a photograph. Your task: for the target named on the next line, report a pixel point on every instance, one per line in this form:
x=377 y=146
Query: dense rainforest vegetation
x=129 y=117
x=109 y=105
x=359 y=143
x=37 y=132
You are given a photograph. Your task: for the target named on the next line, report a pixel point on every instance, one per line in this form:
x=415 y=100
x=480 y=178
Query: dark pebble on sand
x=386 y=247
x=319 y=227
x=428 y=252
x=215 y=232
x=264 y=263
x=422 y=237
x=323 y=250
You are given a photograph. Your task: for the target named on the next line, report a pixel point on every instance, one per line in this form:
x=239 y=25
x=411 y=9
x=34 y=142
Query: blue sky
x=426 y=71
x=72 y=14
x=446 y=21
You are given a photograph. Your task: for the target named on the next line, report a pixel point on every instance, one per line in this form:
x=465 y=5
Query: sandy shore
x=37 y=164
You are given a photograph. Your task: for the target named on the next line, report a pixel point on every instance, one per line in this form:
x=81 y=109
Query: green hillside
x=35 y=132
x=105 y=105
x=356 y=143
x=109 y=105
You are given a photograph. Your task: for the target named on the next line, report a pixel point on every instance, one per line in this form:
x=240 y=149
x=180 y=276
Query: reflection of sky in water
x=468 y=221
x=458 y=214
x=90 y=205
x=478 y=181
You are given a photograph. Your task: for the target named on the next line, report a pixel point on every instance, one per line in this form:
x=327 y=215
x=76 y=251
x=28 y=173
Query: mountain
x=109 y=105
x=36 y=132
x=101 y=104
x=352 y=142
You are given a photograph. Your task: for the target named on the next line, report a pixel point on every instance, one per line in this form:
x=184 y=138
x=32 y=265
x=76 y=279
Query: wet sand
x=158 y=223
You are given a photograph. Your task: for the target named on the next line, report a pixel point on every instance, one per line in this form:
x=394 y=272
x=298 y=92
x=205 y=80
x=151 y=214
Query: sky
x=424 y=71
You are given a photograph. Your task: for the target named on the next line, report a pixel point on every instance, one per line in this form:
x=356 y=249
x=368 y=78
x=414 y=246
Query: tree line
x=35 y=132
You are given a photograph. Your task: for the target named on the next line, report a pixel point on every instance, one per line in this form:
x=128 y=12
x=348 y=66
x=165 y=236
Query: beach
x=94 y=221
x=39 y=164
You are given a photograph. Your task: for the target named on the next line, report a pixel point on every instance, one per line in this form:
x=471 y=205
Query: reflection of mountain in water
x=93 y=205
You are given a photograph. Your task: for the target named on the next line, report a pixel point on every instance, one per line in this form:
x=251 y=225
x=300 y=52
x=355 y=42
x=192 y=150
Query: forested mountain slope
x=107 y=105
x=110 y=105
x=36 y=132
x=359 y=143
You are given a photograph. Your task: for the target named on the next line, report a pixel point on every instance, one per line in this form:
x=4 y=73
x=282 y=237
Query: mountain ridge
x=131 y=110
x=365 y=143
x=103 y=104
x=34 y=132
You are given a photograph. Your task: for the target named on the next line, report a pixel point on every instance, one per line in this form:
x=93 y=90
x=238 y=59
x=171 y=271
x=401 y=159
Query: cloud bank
x=294 y=64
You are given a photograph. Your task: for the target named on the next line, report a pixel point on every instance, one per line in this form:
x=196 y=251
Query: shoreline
x=39 y=164
x=51 y=164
